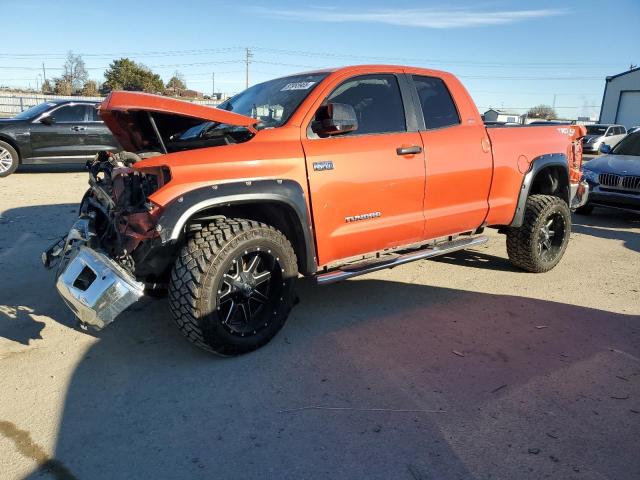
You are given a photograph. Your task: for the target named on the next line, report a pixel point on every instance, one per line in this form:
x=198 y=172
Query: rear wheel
x=9 y=159
x=232 y=286
x=539 y=244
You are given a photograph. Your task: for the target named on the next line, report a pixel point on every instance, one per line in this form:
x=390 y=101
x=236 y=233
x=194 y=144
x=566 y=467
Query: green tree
x=90 y=88
x=542 y=111
x=74 y=71
x=176 y=82
x=125 y=74
x=62 y=86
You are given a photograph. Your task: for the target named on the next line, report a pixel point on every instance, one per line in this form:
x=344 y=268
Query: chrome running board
x=440 y=249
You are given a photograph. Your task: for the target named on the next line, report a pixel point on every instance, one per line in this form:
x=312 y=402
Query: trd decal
x=321 y=166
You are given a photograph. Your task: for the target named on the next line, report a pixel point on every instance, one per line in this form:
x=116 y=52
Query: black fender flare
x=537 y=165
x=177 y=213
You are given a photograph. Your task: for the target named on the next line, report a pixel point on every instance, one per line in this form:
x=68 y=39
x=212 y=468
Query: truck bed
x=520 y=145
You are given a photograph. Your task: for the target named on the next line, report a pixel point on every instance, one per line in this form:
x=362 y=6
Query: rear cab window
x=436 y=103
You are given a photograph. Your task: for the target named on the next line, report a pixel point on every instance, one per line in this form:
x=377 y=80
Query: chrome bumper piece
x=579 y=194
x=96 y=289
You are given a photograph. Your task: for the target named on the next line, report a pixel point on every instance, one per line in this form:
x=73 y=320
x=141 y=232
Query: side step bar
x=430 y=252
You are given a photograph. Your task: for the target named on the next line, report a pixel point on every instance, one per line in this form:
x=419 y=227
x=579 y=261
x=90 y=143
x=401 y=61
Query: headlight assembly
x=590 y=175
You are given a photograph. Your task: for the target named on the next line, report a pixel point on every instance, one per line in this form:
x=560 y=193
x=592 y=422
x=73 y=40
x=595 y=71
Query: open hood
x=138 y=119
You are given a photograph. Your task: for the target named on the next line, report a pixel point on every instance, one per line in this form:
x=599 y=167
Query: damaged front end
x=96 y=262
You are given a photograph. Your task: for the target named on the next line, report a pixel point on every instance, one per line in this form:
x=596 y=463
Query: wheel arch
x=547 y=175
x=279 y=203
x=14 y=144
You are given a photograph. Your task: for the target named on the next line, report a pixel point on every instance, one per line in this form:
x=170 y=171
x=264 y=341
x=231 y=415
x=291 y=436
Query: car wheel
x=539 y=244
x=9 y=159
x=232 y=287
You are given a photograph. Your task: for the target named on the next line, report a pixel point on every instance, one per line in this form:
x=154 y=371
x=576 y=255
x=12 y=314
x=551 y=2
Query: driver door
x=366 y=192
x=65 y=139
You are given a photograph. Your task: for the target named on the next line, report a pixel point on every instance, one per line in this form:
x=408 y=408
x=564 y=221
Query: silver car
x=602 y=134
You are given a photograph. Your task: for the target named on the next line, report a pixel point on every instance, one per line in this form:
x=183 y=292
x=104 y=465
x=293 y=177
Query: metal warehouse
x=621 y=99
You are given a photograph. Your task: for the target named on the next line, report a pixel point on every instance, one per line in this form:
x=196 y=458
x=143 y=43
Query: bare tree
x=542 y=111
x=75 y=71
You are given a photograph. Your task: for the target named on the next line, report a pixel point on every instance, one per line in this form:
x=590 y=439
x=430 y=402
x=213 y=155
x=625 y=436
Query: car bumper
x=606 y=197
x=93 y=286
x=590 y=148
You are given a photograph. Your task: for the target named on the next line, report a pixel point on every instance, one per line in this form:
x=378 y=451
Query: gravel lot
x=480 y=371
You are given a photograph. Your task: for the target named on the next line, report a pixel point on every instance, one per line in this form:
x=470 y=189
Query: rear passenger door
x=459 y=164
x=366 y=194
x=97 y=136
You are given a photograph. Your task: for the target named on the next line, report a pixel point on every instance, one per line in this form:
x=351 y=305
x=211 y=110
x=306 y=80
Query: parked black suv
x=58 y=131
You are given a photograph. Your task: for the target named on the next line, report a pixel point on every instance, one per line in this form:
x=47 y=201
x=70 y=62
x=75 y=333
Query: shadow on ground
x=468 y=386
x=610 y=224
x=25 y=233
x=53 y=168
x=143 y=403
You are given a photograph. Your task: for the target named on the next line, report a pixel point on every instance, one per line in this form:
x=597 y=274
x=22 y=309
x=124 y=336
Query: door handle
x=78 y=129
x=411 y=150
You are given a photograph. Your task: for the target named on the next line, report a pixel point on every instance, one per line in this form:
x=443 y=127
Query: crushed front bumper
x=94 y=287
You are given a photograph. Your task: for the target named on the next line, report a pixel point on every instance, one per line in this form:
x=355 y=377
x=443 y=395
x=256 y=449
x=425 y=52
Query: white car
x=600 y=134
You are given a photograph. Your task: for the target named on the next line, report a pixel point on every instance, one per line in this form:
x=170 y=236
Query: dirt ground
x=460 y=368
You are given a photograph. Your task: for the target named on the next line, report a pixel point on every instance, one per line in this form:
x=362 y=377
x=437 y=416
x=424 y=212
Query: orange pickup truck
x=330 y=174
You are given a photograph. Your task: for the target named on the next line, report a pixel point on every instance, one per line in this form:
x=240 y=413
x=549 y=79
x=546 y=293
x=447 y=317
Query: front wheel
x=8 y=159
x=539 y=244
x=231 y=288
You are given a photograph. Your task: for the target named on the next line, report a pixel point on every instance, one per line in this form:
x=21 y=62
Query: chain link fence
x=11 y=103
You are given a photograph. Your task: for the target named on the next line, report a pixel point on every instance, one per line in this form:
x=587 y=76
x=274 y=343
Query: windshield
x=273 y=102
x=596 y=129
x=629 y=145
x=34 y=111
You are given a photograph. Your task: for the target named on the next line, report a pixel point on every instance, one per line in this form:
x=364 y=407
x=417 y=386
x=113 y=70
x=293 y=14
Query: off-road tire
x=4 y=146
x=523 y=242
x=199 y=273
x=584 y=210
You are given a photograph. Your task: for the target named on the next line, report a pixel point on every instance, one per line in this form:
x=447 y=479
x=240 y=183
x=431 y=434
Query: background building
x=621 y=99
x=497 y=115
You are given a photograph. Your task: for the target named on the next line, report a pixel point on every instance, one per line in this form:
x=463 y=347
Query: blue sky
x=510 y=54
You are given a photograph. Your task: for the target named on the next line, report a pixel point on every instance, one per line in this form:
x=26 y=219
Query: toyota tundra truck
x=329 y=174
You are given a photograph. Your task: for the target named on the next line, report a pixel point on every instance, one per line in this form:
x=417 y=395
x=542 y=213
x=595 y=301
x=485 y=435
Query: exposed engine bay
x=118 y=204
x=115 y=216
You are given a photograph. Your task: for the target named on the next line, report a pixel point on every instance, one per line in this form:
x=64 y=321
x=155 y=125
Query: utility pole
x=213 y=85
x=44 y=73
x=554 y=101
x=247 y=60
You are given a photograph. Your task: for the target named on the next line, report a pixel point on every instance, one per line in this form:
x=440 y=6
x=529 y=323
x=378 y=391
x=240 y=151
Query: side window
x=437 y=105
x=93 y=114
x=610 y=131
x=377 y=102
x=70 y=114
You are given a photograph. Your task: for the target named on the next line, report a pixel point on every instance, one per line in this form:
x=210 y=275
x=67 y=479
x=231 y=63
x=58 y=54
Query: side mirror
x=48 y=120
x=334 y=119
x=604 y=148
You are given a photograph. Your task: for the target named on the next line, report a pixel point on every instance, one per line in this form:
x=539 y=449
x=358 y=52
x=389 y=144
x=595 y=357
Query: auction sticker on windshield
x=297 y=86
